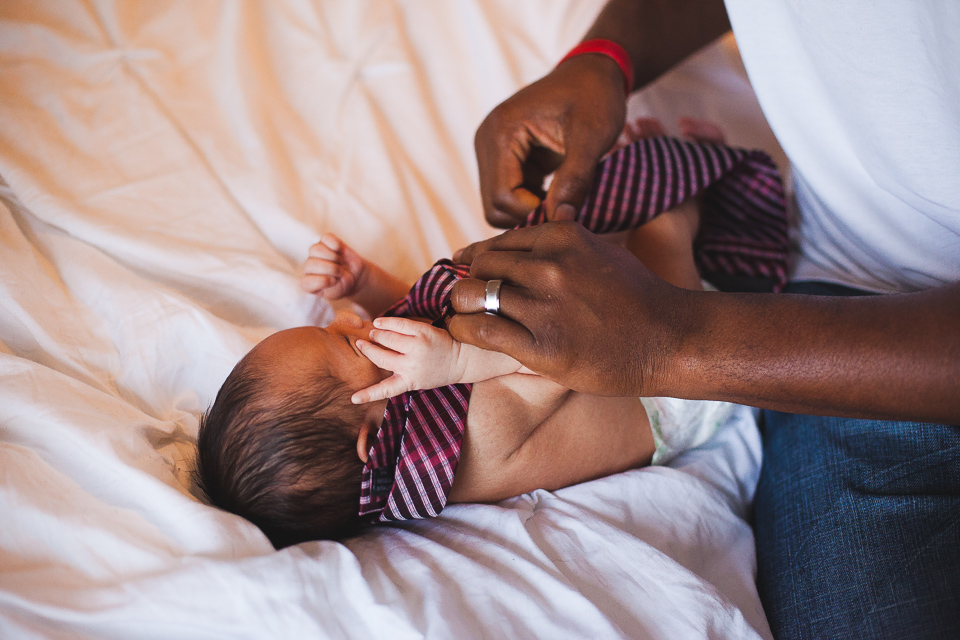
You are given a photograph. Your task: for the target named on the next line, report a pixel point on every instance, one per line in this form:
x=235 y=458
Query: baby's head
x=282 y=445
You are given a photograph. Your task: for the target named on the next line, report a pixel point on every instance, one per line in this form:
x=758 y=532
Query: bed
x=165 y=167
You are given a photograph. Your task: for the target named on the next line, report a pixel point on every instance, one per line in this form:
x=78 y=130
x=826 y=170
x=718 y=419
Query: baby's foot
x=692 y=128
x=700 y=130
x=638 y=129
x=642 y=128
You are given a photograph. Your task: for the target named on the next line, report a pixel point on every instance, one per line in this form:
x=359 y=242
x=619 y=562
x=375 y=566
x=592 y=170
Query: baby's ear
x=363 y=448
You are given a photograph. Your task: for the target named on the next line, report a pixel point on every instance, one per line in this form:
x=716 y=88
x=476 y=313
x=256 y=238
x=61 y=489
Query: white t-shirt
x=864 y=97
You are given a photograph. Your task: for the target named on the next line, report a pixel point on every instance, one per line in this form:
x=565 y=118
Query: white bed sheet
x=166 y=165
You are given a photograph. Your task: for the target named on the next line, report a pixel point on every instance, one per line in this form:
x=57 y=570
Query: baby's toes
x=648 y=128
x=701 y=130
x=639 y=128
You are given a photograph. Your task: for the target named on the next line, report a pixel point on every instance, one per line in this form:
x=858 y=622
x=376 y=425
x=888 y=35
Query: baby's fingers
x=383 y=358
x=405 y=326
x=398 y=342
x=332 y=241
x=392 y=386
x=326 y=249
x=316 y=283
x=322 y=267
x=326 y=278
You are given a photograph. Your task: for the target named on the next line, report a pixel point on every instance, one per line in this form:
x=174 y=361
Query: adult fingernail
x=565 y=212
x=457 y=254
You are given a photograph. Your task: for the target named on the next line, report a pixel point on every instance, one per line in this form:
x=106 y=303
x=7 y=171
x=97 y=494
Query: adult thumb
x=571 y=183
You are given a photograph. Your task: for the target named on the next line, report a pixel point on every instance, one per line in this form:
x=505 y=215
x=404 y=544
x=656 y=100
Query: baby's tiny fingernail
x=355 y=399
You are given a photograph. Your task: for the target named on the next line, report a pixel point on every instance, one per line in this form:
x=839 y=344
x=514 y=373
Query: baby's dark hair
x=284 y=460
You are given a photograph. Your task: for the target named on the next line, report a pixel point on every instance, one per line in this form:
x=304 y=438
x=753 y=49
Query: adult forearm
x=893 y=356
x=587 y=314
x=658 y=34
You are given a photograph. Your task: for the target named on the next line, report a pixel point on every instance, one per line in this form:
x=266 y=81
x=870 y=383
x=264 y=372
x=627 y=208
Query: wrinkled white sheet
x=166 y=165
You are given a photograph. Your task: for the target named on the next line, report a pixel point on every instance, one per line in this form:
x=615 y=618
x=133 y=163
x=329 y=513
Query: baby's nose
x=350 y=324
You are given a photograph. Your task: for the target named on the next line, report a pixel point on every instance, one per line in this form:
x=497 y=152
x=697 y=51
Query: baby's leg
x=665 y=244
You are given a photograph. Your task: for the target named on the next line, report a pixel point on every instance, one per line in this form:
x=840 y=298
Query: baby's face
x=293 y=354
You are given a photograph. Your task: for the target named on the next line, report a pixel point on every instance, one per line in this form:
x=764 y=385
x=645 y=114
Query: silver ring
x=491 y=301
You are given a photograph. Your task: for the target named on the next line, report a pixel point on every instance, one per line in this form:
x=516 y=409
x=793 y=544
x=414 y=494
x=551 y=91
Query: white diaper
x=679 y=425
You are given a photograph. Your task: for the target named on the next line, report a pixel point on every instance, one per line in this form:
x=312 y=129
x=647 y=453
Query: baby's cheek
x=365 y=374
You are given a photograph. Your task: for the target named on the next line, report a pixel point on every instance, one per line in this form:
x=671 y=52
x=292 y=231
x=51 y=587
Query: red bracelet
x=607 y=48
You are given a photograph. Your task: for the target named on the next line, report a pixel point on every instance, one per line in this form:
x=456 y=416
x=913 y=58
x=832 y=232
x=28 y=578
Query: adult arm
x=569 y=118
x=585 y=313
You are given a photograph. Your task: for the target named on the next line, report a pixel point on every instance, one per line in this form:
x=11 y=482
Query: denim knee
x=858 y=528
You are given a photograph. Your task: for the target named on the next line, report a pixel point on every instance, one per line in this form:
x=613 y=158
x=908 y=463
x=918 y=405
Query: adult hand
x=588 y=315
x=564 y=122
x=574 y=308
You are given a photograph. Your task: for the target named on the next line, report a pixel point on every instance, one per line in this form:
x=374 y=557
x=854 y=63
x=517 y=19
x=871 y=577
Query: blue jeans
x=858 y=525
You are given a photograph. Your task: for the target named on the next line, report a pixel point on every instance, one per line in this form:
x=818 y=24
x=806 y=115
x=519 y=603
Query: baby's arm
x=334 y=271
x=422 y=356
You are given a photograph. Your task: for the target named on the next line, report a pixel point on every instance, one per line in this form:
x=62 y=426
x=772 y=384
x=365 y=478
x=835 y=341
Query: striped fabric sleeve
x=415 y=452
x=743 y=226
x=429 y=296
x=429 y=453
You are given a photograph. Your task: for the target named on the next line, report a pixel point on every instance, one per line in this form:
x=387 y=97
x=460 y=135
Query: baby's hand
x=420 y=356
x=333 y=270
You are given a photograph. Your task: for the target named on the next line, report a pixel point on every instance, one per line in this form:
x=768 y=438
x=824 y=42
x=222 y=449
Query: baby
x=317 y=431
